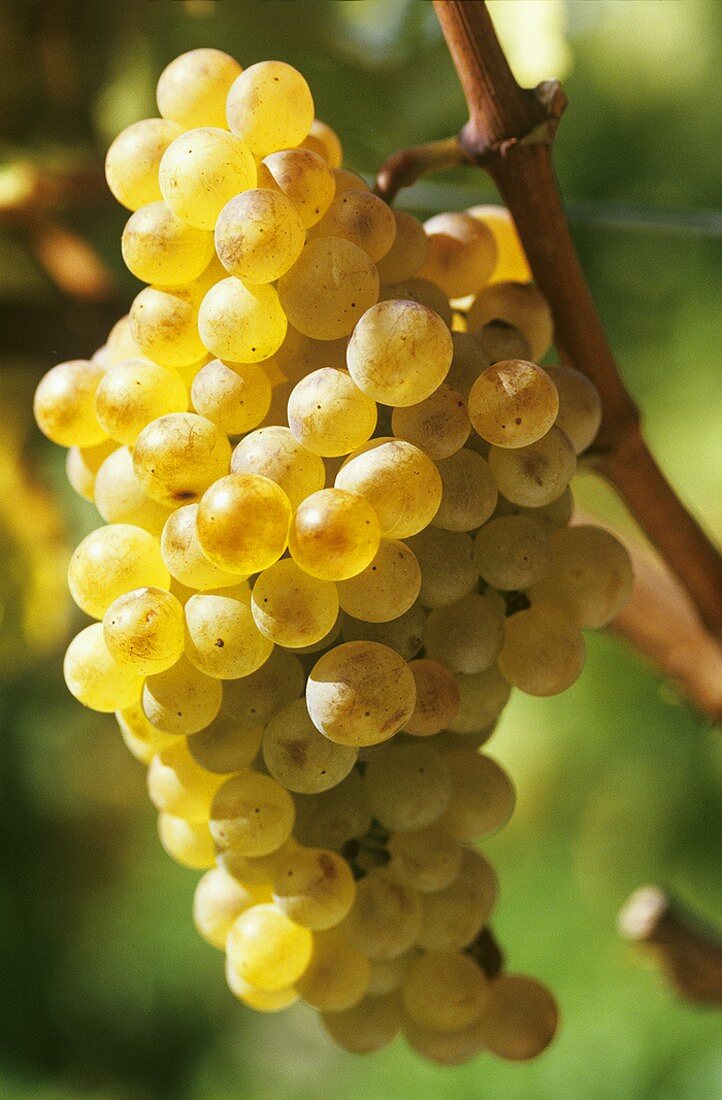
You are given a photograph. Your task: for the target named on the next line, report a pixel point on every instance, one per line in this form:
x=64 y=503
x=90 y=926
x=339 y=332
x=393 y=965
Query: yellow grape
x=201 y=171
x=452 y=916
x=140 y=736
x=120 y=344
x=328 y=288
x=520 y=1018
x=255 y=870
x=518 y=304
x=421 y=291
x=482 y=798
x=408 y=251
x=303 y=177
x=329 y=819
x=368 y=1026
x=483 y=696
x=218 y=900
x=362 y=218
x=329 y=415
x=133 y=393
x=512 y=552
x=299 y=757
x=399 y=481
x=119 y=497
x=445 y=1048
x=499 y=341
x=426 y=859
x=267 y=949
x=177 y=457
x=235 y=396
x=543 y=652
x=439 y=425
x=462 y=253
x=259 y=235
x=404 y=635
x=222 y=638
x=324 y=141
x=580 y=406
x=346 y=180
x=511 y=262
x=273 y=452
x=256 y=698
x=187 y=842
x=466 y=635
x=159 y=248
x=260 y=1000
x=193 y=88
x=251 y=814
x=513 y=403
x=292 y=608
x=133 y=159
x=95 y=678
x=270 y=106
x=444 y=990
x=314 y=887
x=408 y=786
x=111 y=561
x=243 y=522
x=177 y=785
x=241 y=323
x=64 y=404
x=386 y=588
x=385 y=917
x=468 y=362
x=228 y=744
x=183 y=557
x=448 y=570
x=590 y=576
x=82 y=465
x=181 y=699
x=164 y=326
x=437 y=698
x=535 y=475
x=299 y=355
x=334 y=534
x=143 y=629
x=469 y=491
x=337 y=976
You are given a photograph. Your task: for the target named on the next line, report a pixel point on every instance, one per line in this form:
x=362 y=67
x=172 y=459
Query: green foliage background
x=107 y=992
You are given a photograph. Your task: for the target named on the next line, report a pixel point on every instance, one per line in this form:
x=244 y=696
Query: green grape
x=421 y=291
x=590 y=576
x=328 y=414
x=482 y=797
x=333 y=817
x=439 y=425
x=408 y=786
x=499 y=341
x=513 y=403
x=299 y=757
x=235 y=396
x=469 y=491
x=334 y=534
x=446 y=1048
x=386 y=588
x=256 y=698
x=468 y=362
x=177 y=785
x=256 y=871
x=483 y=697
x=519 y=304
x=243 y=522
x=552 y=517
x=580 y=406
x=64 y=404
x=408 y=250
x=454 y=915
x=228 y=744
x=143 y=629
x=400 y=352
x=140 y=736
x=187 y=842
x=267 y=949
x=260 y=1000
x=437 y=698
x=193 y=88
x=222 y=638
x=368 y=1026
x=270 y=106
x=182 y=699
x=177 y=457
x=404 y=635
x=292 y=608
x=315 y=888
x=535 y=475
x=362 y=218
x=388 y=974
x=241 y=323
x=329 y=288
x=462 y=253
x=133 y=160
x=111 y=561
x=427 y=859
x=385 y=917
x=337 y=976
x=520 y=1018
x=448 y=571
x=466 y=635
x=324 y=141
x=399 y=481
x=274 y=453
x=133 y=393
x=251 y=814
x=82 y=465
x=259 y=235
x=164 y=324
x=95 y=678
x=543 y=652
x=120 y=499
x=512 y=552
x=360 y=693
x=218 y=900
x=303 y=177
x=201 y=170
x=159 y=248
x=183 y=556
x=444 y=990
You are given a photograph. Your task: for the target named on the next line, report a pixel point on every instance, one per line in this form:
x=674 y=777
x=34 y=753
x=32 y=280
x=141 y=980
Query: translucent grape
x=580 y=406
x=385 y=917
x=444 y=990
x=408 y=251
x=64 y=404
x=337 y=976
x=292 y=608
x=362 y=218
x=513 y=403
x=187 y=842
x=182 y=699
x=133 y=393
x=177 y=785
x=427 y=859
x=218 y=900
x=360 y=693
x=322 y=643
x=299 y=355
x=590 y=576
x=437 y=698
x=346 y=180
x=483 y=696
x=315 y=888
x=520 y=1018
x=270 y=106
x=334 y=534
x=329 y=288
x=400 y=352
x=164 y=326
x=552 y=517
x=256 y=698
x=143 y=629
x=421 y=291
x=267 y=949
x=120 y=344
x=535 y=475
x=159 y=248
x=243 y=522
x=328 y=414
x=177 y=457
x=241 y=323
x=119 y=497
x=518 y=304
x=201 y=171
x=274 y=453
x=408 y=786
x=482 y=799
x=448 y=570
x=329 y=819
x=303 y=177
x=255 y=870
x=499 y=341
x=399 y=481
x=543 y=651
x=512 y=552
x=511 y=262
x=469 y=491
x=371 y=1024
x=405 y=635
x=467 y=363
x=260 y=1000
x=324 y=141
x=82 y=465
x=299 y=757
x=259 y=235
x=252 y=814
x=446 y=1048
x=193 y=88
x=235 y=396
x=183 y=556
x=466 y=635
x=462 y=253
x=133 y=159
x=93 y=675
x=386 y=588
x=439 y=425
x=453 y=916
x=140 y=736
x=228 y=744
x=111 y=561
x=222 y=638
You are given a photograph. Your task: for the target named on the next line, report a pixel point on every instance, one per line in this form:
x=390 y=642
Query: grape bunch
x=335 y=488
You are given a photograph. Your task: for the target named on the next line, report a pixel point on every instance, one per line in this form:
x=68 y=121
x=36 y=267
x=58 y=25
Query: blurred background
x=108 y=993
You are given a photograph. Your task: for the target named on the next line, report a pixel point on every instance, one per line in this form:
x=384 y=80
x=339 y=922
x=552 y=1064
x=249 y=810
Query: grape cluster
x=335 y=486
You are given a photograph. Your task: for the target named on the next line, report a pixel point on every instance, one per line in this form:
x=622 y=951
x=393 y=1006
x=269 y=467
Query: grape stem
x=689 y=952
x=510 y=133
